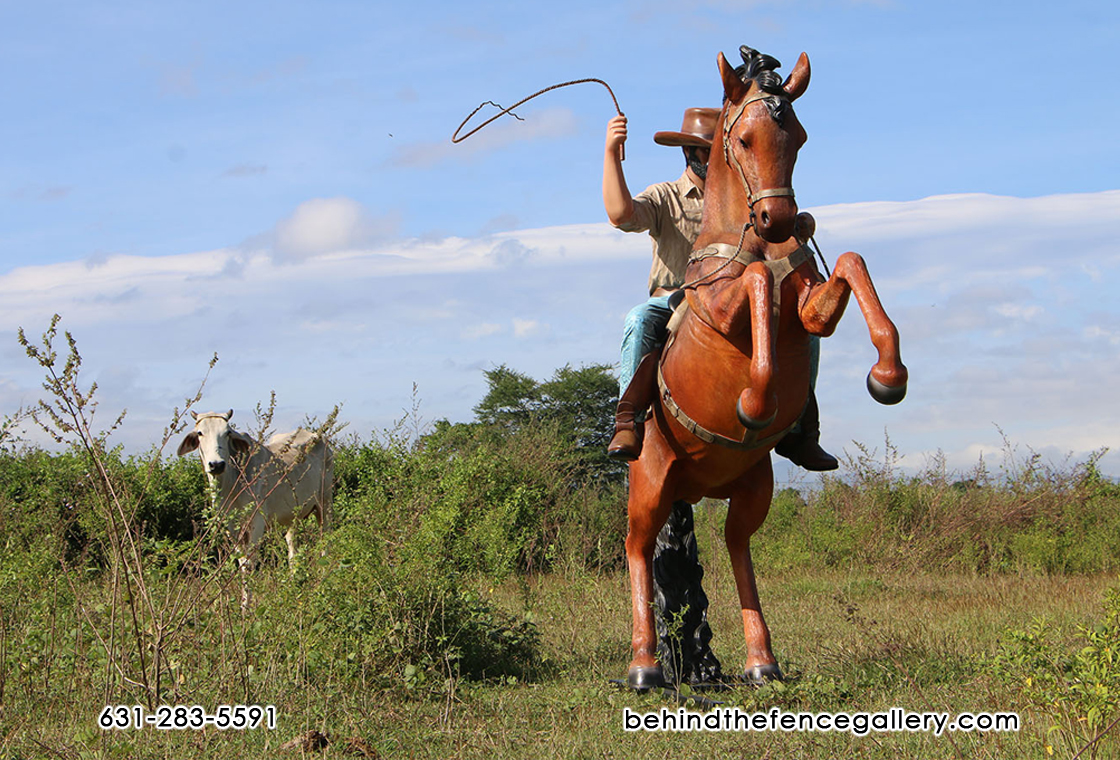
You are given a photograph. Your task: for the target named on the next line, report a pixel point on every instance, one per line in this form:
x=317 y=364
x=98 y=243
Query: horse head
x=758 y=143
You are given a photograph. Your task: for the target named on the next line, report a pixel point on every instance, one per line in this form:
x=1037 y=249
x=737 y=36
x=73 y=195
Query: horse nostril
x=765 y=218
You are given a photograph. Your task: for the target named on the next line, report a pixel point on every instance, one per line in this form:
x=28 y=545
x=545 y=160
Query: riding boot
x=626 y=445
x=803 y=448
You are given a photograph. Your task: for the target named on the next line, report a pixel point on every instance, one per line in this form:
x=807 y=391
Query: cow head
x=215 y=441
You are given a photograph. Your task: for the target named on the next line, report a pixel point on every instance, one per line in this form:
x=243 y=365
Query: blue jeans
x=643 y=331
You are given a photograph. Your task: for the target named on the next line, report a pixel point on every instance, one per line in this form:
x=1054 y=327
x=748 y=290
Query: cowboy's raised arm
x=616 y=195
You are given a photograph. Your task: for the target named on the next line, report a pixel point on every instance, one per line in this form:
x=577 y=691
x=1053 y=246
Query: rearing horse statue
x=734 y=376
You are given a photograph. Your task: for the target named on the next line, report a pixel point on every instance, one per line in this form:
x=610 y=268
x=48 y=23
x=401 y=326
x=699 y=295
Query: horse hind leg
x=648 y=510
x=746 y=511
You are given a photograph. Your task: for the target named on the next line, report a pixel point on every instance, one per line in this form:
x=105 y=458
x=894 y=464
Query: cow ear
x=189 y=444
x=798 y=80
x=240 y=442
x=733 y=87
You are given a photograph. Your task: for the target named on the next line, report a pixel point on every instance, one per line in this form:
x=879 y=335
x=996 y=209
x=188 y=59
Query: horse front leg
x=825 y=305
x=648 y=509
x=746 y=511
x=758 y=403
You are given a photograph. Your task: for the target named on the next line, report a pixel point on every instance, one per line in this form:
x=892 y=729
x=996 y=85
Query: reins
x=734 y=257
x=457 y=138
x=731 y=160
x=779 y=269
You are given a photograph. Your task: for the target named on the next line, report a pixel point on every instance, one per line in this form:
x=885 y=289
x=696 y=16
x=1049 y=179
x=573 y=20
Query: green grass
x=471 y=601
x=921 y=642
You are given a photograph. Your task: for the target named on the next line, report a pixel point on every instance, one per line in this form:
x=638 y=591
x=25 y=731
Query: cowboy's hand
x=616 y=133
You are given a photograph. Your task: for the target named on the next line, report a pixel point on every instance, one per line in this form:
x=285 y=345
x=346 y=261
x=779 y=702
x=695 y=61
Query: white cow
x=257 y=486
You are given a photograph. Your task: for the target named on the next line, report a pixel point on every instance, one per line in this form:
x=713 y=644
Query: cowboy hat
x=697 y=128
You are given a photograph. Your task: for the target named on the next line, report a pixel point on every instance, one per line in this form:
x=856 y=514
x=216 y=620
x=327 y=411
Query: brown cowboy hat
x=697 y=128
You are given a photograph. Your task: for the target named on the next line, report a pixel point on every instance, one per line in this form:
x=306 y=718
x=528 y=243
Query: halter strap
x=730 y=160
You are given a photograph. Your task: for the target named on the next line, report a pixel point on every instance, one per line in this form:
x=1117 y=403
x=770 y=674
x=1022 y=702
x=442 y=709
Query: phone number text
x=193 y=717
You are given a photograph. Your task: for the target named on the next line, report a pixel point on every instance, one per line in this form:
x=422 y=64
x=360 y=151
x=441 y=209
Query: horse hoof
x=885 y=394
x=645 y=678
x=760 y=674
x=749 y=422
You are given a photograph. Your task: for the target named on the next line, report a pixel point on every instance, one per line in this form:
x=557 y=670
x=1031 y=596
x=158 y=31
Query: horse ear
x=799 y=79
x=733 y=87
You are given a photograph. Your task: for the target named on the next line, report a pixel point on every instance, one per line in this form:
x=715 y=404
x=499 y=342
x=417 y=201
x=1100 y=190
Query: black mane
x=759 y=68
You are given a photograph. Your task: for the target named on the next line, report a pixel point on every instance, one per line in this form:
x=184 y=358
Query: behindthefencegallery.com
x=896 y=719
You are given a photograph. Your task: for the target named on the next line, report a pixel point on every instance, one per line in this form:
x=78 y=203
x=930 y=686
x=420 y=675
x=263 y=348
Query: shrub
x=399 y=623
x=482 y=499
x=1076 y=685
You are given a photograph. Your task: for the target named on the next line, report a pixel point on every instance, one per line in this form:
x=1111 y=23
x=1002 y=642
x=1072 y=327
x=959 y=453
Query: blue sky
x=275 y=182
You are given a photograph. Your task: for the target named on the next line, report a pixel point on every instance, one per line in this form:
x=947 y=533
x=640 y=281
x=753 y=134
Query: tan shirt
x=671 y=212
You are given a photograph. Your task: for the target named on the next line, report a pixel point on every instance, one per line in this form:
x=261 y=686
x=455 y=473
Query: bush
x=480 y=499
x=356 y=617
x=1036 y=519
x=1076 y=685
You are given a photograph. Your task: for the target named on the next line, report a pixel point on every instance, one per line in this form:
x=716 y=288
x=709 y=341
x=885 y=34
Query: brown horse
x=734 y=376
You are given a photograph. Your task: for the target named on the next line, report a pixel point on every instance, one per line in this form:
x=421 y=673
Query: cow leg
x=290 y=538
x=251 y=539
x=825 y=305
x=245 y=566
x=746 y=510
x=758 y=403
x=648 y=509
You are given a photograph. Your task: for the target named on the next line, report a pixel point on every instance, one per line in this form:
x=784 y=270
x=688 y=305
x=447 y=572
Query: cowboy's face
x=696 y=155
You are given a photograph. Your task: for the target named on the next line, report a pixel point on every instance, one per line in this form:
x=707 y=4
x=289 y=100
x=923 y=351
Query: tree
x=579 y=402
x=513 y=398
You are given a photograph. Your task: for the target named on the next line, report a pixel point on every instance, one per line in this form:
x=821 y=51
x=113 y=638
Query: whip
x=457 y=138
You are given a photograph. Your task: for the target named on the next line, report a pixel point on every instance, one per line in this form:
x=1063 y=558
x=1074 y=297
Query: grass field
x=848 y=641
x=470 y=601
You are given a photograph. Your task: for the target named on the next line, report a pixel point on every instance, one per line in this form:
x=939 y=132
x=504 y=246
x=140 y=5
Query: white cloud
x=1016 y=311
x=245 y=170
x=327 y=225
x=987 y=340
x=484 y=330
x=524 y=328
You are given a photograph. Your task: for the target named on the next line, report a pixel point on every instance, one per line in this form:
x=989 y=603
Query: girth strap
x=749 y=442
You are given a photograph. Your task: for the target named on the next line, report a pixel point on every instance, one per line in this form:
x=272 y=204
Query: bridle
x=730 y=159
x=722 y=250
x=779 y=270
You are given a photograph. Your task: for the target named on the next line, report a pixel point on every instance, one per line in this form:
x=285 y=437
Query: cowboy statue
x=671 y=213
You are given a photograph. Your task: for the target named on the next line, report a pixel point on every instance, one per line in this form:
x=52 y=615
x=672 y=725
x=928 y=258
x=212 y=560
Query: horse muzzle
x=775 y=218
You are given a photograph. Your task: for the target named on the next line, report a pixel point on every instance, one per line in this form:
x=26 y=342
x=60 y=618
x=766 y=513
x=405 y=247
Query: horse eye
x=744 y=143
